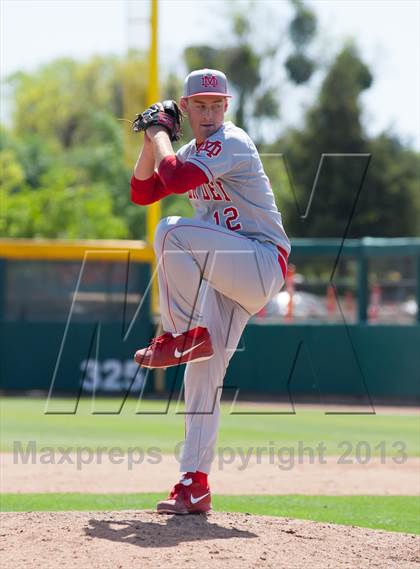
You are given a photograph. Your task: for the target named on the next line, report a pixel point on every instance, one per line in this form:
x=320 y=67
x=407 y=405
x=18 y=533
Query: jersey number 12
x=230 y=215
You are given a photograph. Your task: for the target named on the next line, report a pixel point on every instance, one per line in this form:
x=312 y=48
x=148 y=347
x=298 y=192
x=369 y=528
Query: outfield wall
x=72 y=315
x=312 y=360
x=324 y=360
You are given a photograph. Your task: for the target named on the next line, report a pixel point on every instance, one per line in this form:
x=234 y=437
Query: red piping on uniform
x=203 y=164
x=282 y=258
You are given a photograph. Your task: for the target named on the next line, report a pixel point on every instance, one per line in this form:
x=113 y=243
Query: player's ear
x=183 y=103
x=226 y=103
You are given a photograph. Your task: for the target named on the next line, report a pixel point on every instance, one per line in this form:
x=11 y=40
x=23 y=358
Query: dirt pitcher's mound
x=111 y=540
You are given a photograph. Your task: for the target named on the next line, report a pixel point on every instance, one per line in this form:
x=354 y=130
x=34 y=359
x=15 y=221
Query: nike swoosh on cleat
x=179 y=354
x=195 y=500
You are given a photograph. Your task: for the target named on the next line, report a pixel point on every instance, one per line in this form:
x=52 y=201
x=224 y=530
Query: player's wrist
x=157 y=131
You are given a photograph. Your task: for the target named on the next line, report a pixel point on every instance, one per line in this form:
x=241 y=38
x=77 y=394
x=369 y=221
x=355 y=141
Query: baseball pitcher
x=215 y=270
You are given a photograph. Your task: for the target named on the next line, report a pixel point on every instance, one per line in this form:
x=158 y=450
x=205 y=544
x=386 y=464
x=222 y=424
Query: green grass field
x=392 y=513
x=23 y=419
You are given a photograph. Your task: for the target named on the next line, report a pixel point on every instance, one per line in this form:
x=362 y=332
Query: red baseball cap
x=206 y=82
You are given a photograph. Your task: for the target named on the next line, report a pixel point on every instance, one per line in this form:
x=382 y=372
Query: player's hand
x=166 y=115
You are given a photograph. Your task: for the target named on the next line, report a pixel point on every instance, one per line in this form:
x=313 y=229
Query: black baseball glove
x=166 y=114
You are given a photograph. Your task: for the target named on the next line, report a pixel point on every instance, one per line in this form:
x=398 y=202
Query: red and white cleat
x=186 y=497
x=174 y=349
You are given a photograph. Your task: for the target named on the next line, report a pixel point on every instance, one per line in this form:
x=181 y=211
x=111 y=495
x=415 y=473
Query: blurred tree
x=302 y=30
x=60 y=101
x=251 y=65
x=387 y=205
x=390 y=203
x=66 y=169
x=60 y=211
x=65 y=123
x=12 y=174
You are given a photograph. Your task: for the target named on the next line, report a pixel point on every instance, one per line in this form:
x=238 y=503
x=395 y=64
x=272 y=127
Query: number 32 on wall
x=230 y=215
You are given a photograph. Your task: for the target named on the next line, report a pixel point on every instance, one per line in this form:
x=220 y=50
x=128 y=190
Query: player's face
x=206 y=114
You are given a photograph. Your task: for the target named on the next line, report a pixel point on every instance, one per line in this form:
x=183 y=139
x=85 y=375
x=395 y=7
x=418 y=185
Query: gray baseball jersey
x=238 y=195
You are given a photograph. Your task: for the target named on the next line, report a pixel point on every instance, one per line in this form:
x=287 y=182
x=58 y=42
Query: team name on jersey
x=212 y=191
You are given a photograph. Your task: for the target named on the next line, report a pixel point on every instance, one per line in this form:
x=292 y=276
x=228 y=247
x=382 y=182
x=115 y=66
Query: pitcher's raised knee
x=162 y=229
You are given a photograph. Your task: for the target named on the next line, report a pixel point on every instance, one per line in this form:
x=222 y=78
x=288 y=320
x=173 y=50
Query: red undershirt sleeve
x=146 y=192
x=180 y=177
x=173 y=177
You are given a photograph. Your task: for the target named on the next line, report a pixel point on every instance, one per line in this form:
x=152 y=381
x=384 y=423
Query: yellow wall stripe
x=74 y=250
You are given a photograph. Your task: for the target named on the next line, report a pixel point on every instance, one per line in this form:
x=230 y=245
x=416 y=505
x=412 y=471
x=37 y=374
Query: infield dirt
x=331 y=478
x=128 y=539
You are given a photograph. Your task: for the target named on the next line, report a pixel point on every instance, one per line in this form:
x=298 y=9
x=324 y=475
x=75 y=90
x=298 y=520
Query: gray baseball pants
x=211 y=277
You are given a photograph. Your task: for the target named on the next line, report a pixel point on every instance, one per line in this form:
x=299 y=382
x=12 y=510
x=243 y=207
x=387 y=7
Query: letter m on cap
x=209 y=81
